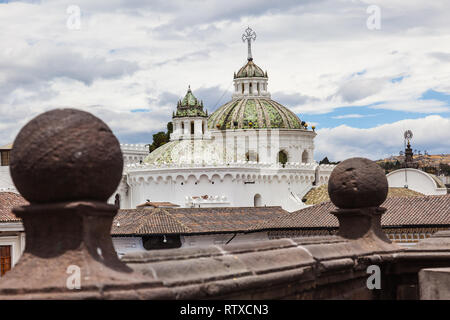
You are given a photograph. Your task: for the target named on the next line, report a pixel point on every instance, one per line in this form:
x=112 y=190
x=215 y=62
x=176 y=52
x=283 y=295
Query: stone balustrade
x=67 y=227
x=134 y=147
x=238 y=164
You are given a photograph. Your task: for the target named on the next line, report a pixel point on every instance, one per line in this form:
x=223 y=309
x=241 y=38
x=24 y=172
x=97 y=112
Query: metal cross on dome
x=248 y=36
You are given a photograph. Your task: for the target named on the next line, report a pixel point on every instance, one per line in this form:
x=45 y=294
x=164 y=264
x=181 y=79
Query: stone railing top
x=226 y=271
x=67 y=163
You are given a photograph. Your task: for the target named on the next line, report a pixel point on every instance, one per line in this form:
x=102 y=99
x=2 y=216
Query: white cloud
x=143 y=54
x=342 y=142
x=352 y=116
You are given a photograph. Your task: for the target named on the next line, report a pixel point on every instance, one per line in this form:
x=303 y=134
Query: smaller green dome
x=251 y=70
x=190 y=106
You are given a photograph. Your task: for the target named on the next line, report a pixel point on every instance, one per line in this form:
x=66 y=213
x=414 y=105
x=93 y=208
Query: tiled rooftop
x=401 y=211
x=320 y=194
x=157 y=204
x=192 y=220
x=9 y=200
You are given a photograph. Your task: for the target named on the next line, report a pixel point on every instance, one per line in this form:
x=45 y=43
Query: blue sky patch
x=435 y=95
x=358 y=117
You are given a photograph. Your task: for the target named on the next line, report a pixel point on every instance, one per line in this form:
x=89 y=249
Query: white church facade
x=251 y=151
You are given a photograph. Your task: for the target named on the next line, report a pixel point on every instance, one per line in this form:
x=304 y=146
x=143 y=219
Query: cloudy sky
x=360 y=80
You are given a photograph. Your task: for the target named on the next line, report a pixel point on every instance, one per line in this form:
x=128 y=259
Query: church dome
x=253 y=113
x=190 y=106
x=187 y=151
x=250 y=70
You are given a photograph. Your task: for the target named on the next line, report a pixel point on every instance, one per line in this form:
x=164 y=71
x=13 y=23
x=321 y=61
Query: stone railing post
x=67 y=163
x=358 y=187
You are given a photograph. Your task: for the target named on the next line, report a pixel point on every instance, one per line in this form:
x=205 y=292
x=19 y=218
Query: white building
x=416 y=180
x=251 y=151
x=12 y=235
x=133 y=153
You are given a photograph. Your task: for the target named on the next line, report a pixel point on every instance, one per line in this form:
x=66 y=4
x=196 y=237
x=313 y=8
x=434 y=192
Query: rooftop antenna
x=408 y=136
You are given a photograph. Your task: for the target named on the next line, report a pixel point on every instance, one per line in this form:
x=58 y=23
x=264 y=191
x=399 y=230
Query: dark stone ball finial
x=66 y=155
x=357 y=183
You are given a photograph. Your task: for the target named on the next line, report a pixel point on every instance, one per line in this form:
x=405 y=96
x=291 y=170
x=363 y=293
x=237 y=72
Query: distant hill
x=432 y=163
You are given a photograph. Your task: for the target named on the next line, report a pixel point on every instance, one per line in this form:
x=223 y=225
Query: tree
x=161 y=137
x=389 y=166
x=444 y=169
x=324 y=161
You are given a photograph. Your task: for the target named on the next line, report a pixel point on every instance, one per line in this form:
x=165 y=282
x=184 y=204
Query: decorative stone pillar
x=198 y=128
x=67 y=163
x=358 y=187
x=187 y=128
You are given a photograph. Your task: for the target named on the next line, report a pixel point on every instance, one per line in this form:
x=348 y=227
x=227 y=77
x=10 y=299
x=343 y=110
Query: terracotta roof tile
x=320 y=194
x=157 y=204
x=192 y=220
x=401 y=211
x=9 y=200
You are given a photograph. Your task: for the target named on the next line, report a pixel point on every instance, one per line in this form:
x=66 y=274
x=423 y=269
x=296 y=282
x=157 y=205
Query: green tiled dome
x=190 y=106
x=250 y=70
x=254 y=113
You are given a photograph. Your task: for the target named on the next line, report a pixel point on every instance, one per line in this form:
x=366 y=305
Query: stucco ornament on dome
x=188 y=152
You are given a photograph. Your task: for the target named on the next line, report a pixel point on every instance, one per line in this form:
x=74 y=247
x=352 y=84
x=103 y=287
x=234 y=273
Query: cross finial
x=248 y=36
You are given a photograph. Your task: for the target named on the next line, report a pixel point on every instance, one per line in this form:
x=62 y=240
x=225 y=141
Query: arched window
x=257 y=201
x=242 y=88
x=192 y=127
x=117 y=200
x=257 y=88
x=282 y=157
x=305 y=156
x=250 y=88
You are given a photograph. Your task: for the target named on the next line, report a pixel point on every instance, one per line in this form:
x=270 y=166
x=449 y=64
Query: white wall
x=133 y=153
x=237 y=182
x=266 y=143
x=416 y=180
x=230 y=175
x=6 y=183
x=221 y=239
x=124 y=245
x=15 y=239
